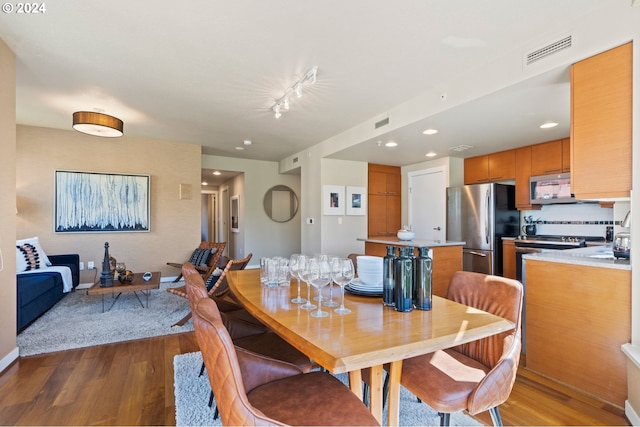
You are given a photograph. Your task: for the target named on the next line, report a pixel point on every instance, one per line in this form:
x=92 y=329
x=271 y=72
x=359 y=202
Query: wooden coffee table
x=137 y=284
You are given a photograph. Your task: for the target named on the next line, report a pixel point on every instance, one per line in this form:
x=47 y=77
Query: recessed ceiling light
x=216 y=173
x=431 y=154
x=548 y=125
x=205 y=183
x=430 y=131
x=247 y=142
x=239 y=148
x=391 y=144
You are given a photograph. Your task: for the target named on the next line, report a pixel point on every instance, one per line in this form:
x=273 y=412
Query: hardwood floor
x=132 y=384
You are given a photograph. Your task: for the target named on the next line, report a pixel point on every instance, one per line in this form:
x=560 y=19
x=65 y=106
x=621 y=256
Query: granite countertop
x=416 y=243
x=592 y=256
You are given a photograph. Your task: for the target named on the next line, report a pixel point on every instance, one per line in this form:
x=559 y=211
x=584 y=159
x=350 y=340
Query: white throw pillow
x=35 y=242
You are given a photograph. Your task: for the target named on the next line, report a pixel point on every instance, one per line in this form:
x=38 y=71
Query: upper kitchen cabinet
x=550 y=157
x=523 y=173
x=384 y=202
x=601 y=98
x=491 y=167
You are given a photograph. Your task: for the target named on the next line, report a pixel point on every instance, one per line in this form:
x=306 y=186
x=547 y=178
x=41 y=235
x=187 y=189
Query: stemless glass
x=294 y=268
x=342 y=273
x=303 y=271
x=319 y=275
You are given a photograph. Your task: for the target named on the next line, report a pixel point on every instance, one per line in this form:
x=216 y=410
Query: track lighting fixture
x=285 y=100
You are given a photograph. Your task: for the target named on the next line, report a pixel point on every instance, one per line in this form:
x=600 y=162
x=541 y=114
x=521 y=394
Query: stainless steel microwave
x=548 y=189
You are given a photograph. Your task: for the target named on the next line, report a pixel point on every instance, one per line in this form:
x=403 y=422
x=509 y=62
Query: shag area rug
x=192 y=398
x=78 y=321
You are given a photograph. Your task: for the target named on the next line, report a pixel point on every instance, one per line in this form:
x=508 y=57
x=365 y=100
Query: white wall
x=339 y=233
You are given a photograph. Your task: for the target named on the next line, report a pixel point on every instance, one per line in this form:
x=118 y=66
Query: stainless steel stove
x=552 y=242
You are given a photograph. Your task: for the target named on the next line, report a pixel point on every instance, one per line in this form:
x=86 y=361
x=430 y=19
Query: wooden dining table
x=371 y=336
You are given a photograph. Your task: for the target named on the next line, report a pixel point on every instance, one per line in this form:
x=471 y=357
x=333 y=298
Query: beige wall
x=175 y=223
x=8 y=350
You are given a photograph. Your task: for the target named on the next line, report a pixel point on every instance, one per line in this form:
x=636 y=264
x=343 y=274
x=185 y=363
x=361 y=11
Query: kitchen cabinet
x=601 y=98
x=577 y=318
x=384 y=200
x=509 y=258
x=523 y=172
x=549 y=157
x=489 y=168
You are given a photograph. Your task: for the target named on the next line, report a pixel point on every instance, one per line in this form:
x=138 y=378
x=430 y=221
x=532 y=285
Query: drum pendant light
x=97 y=124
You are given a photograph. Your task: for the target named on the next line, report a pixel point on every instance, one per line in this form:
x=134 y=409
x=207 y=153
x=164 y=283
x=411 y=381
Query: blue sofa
x=38 y=292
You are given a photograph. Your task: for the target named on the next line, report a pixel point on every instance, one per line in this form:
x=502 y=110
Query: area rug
x=192 y=398
x=78 y=321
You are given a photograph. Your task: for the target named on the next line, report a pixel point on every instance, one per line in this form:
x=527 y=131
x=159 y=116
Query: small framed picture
x=333 y=200
x=356 y=201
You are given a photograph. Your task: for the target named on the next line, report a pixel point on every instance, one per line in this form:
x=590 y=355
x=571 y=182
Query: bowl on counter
x=406 y=235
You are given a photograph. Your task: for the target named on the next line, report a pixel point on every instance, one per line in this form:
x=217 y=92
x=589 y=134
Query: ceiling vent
x=460 y=147
x=550 y=49
x=382 y=122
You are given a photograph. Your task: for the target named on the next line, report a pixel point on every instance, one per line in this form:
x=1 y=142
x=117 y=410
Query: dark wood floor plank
x=132 y=384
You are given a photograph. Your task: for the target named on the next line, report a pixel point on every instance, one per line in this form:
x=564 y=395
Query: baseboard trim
x=631 y=414
x=9 y=359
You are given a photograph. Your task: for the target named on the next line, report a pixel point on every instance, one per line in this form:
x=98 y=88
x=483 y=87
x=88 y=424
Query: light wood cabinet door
x=377 y=215
x=546 y=158
x=502 y=165
x=492 y=167
x=509 y=259
x=601 y=120
x=394 y=217
x=577 y=319
x=384 y=204
x=566 y=155
x=523 y=173
x=476 y=169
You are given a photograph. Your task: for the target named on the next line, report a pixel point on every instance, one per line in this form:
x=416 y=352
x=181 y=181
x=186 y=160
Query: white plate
x=359 y=285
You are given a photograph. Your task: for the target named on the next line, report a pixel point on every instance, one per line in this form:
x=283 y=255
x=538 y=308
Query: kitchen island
x=578 y=315
x=447 y=257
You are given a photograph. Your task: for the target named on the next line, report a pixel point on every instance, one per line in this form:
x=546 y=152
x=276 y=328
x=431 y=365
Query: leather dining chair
x=479 y=375
x=245 y=334
x=256 y=390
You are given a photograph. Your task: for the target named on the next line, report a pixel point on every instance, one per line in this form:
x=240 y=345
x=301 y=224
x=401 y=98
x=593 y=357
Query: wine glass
x=319 y=275
x=319 y=297
x=330 y=302
x=303 y=272
x=342 y=273
x=294 y=264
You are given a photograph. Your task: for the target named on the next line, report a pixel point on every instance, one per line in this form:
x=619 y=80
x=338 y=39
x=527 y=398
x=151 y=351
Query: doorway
x=427 y=203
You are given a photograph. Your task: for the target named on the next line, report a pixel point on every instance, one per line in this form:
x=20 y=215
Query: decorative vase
x=106 y=277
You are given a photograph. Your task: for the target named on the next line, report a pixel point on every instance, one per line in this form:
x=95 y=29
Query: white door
x=428 y=203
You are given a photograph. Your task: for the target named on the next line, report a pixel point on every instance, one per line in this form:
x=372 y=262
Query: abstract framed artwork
x=356 y=200
x=90 y=202
x=333 y=200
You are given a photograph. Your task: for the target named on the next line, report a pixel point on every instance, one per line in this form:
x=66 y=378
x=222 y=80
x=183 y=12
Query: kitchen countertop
x=416 y=243
x=592 y=256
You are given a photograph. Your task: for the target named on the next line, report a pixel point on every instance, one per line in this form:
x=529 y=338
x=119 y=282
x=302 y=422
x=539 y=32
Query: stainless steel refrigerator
x=480 y=215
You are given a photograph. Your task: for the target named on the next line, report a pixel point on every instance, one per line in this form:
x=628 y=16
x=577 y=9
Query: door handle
x=476 y=253
x=437 y=228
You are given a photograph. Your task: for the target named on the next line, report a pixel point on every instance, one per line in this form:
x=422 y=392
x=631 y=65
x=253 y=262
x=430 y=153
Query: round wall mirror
x=280 y=203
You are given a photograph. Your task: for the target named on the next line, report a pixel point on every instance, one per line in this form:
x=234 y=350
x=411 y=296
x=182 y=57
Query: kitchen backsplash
x=577 y=219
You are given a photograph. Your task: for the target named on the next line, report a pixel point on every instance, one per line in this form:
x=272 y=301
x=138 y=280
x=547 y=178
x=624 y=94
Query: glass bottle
x=388 y=274
x=422 y=284
x=403 y=281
